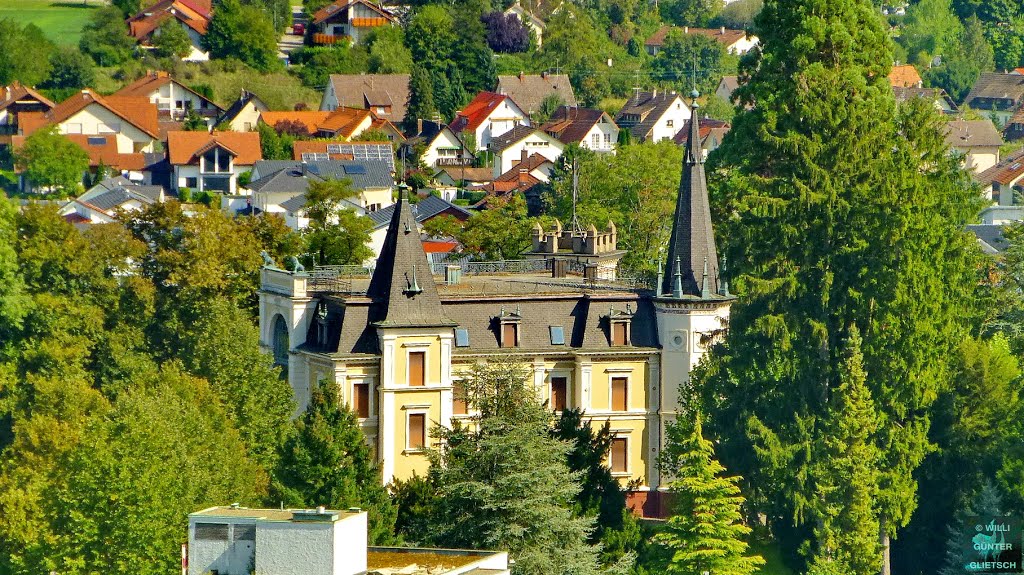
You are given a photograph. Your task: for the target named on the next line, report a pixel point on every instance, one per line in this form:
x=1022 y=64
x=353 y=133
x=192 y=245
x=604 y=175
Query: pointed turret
x=402 y=283
x=691 y=252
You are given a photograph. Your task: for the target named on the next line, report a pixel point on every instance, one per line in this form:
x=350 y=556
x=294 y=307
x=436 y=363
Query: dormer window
x=509 y=324
x=216 y=160
x=620 y=326
x=322 y=326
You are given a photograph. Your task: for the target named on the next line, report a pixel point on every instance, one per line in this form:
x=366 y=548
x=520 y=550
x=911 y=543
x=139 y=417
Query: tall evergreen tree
x=987 y=503
x=705 y=532
x=328 y=462
x=421 y=98
x=841 y=212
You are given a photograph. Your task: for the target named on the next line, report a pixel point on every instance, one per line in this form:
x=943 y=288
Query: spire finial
x=677 y=280
x=704 y=291
x=724 y=277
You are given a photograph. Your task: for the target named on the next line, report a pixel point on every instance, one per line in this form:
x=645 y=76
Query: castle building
x=397 y=342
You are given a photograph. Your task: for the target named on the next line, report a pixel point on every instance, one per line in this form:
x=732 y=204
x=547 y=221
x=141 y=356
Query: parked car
x=299 y=29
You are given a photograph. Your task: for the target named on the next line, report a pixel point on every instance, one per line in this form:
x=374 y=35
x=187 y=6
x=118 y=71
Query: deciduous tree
x=52 y=163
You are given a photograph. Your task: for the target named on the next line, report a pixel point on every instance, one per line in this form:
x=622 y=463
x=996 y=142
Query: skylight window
x=355 y=169
x=461 y=337
x=557 y=334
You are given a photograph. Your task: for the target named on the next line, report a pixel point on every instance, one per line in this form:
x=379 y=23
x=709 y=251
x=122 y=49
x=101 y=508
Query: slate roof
x=904 y=76
x=236 y=108
x=294 y=204
x=724 y=36
x=528 y=91
x=185 y=147
x=375 y=173
x=571 y=125
x=643 y=110
x=423 y=210
x=365 y=90
x=990 y=236
x=996 y=86
x=511 y=137
x=291 y=179
x=972 y=134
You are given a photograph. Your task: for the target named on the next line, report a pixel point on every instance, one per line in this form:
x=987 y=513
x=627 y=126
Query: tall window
x=417 y=438
x=216 y=160
x=509 y=334
x=361 y=399
x=280 y=344
x=619 y=333
x=595 y=141
x=620 y=455
x=558 y=393
x=619 y=393
x=459 y=406
x=417 y=368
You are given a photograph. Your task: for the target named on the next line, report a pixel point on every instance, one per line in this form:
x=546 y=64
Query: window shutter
x=417 y=361
x=619 y=454
x=619 y=385
x=558 y=393
x=459 y=399
x=619 y=333
x=508 y=335
x=361 y=399
x=417 y=430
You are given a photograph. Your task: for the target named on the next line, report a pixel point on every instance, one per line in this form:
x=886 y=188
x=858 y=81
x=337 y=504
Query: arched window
x=281 y=344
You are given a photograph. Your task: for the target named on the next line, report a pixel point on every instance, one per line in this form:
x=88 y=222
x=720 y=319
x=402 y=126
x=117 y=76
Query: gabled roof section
x=514 y=136
x=138 y=112
x=422 y=210
x=571 y=125
x=310 y=119
x=402 y=286
x=996 y=86
x=724 y=36
x=905 y=76
x=360 y=90
x=236 y=108
x=643 y=110
x=477 y=111
x=692 y=267
x=341 y=5
x=528 y=91
x=972 y=134
x=195 y=14
x=1005 y=172
x=16 y=93
x=184 y=147
x=708 y=127
x=145 y=86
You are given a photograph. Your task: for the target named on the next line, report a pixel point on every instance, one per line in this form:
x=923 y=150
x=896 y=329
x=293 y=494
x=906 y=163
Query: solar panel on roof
x=355 y=169
x=334 y=149
x=315 y=157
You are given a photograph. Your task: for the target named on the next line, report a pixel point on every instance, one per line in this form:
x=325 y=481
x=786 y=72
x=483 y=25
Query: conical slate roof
x=691 y=251
x=402 y=284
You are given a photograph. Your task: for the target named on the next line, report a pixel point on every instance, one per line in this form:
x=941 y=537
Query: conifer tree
x=705 y=533
x=841 y=210
x=328 y=462
x=987 y=503
x=421 y=98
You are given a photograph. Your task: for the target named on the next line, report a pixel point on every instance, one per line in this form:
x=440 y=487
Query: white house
x=440 y=146
x=192 y=15
x=521 y=142
x=588 y=128
x=244 y=114
x=204 y=161
x=172 y=98
x=653 y=116
x=977 y=140
x=349 y=21
x=736 y=42
x=488 y=116
x=99 y=204
x=132 y=121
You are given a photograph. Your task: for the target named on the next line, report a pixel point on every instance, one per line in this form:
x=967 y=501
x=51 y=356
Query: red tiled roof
x=332 y=9
x=707 y=126
x=1005 y=171
x=474 y=114
x=76 y=218
x=311 y=119
x=101 y=149
x=193 y=13
x=16 y=91
x=724 y=36
x=905 y=76
x=439 y=246
x=533 y=162
x=184 y=147
x=138 y=112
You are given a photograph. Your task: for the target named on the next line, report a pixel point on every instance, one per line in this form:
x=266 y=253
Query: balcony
x=453 y=162
x=321 y=39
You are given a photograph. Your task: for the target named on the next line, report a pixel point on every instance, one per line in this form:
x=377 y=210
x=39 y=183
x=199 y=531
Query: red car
x=299 y=29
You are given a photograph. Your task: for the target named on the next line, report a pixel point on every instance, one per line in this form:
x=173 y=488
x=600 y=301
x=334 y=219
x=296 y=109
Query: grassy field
x=61 y=21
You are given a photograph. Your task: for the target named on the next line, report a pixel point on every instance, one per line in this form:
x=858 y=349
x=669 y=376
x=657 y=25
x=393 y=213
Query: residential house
x=712 y=132
x=349 y=21
x=990 y=237
x=734 y=41
x=905 y=76
x=530 y=91
x=14 y=100
x=726 y=86
x=204 y=161
x=449 y=180
x=341 y=123
x=526 y=178
x=100 y=203
x=997 y=95
x=943 y=103
x=322 y=150
x=400 y=342
x=244 y=114
x=235 y=540
x=586 y=127
x=488 y=116
x=1003 y=184
x=172 y=98
x=424 y=210
x=653 y=116
x=520 y=142
x=279 y=186
x=192 y=15
x=977 y=140
x=534 y=24
x=131 y=121
x=102 y=152
x=438 y=145
x=386 y=95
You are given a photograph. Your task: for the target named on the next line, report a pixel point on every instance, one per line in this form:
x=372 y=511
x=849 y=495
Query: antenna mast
x=577 y=228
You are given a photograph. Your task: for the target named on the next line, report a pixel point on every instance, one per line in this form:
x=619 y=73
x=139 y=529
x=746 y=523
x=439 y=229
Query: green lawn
x=61 y=21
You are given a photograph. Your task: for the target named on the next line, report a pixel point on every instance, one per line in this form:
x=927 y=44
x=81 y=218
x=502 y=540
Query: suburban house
x=172 y=98
x=349 y=21
x=386 y=95
x=905 y=76
x=322 y=150
x=534 y=24
x=653 y=116
x=529 y=91
x=726 y=86
x=998 y=95
x=522 y=141
x=943 y=103
x=588 y=128
x=131 y=121
x=990 y=237
x=204 y=161
x=526 y=178
x=711 y=134
x=17 y=99
x=340 y=123
x=426 y=209
x=279 y=186
x=235 y=540
x=1003 y=183
x=400 y=342
x=438 y=145
x=192 y=15
x=734 y=41
x=488 y=116
x=448 y=181
x=100 y=203
x=977 y=140
x=244 y=114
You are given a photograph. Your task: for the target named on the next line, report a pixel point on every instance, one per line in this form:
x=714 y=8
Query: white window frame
x=412 y=348
x=425 y=412
x=618 y=373
x=621 y=434
x=567 y=374
x=370 y=403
